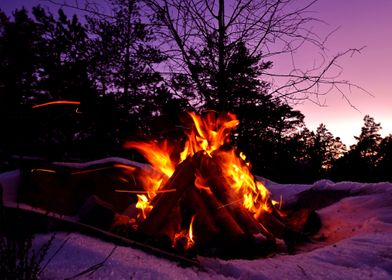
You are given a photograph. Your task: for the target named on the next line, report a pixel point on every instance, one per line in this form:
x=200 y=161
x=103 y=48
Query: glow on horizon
x=362 y=23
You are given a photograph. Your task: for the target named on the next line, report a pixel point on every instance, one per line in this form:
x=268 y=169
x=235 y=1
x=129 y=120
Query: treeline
x=117 y=69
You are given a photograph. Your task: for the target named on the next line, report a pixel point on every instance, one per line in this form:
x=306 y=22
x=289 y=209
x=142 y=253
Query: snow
x=103 y=161
x=355 y=242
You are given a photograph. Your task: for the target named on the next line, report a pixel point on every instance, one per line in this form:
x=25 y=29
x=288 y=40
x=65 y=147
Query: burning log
x=163 y=203
x=165 y=235
x=273 y=225
x=220 y=187
x=222 y=217
x=233 y=203
x=206 y=227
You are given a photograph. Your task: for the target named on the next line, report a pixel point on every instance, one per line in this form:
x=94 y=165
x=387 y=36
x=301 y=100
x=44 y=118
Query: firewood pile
x=204 y=202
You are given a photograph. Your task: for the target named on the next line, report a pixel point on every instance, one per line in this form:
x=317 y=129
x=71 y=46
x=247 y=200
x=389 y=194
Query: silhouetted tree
x=19 y=59
x=326 y=150
x=360 y=162
x=122 y=53
x=201 y=39
x=43 y=60
x=369 y=140
x=123 y=62
x=384 y=164
x=20 y=41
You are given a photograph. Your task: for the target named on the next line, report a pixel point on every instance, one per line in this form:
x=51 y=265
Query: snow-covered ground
x=355 y=242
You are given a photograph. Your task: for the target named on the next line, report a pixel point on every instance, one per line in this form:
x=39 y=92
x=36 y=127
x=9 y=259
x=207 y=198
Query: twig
x=54 y=254
x=303 y=271
x=93 y=268
x=161 y=191
x=230 y=203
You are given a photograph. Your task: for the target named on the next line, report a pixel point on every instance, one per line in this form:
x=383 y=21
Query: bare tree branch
x=269 y=28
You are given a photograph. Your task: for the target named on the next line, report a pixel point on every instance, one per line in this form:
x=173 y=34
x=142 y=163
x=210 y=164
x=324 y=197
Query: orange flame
x=191 y=237
x=208 y=133
x=158 y=156
x=144 y=205
x=188 y=234
x=239 y=177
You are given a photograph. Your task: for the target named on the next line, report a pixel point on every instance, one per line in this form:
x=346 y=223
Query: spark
x=58 y=102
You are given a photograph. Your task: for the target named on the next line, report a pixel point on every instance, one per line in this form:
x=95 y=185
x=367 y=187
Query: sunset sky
x=363 y=23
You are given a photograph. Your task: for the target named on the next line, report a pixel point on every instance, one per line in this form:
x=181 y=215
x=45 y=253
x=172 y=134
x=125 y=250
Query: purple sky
x=362 y=23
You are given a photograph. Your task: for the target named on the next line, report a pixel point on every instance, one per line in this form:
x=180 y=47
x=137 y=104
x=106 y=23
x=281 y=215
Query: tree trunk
x=222 y=99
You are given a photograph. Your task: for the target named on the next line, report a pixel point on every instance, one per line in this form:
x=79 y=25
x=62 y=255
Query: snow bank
x=355 y=242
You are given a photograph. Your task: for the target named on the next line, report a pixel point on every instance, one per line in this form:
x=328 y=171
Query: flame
x=237 y=173
x=191 y=231
x=208 y=133
x=200 y=182
x=144 y=205
x=157 y=154
x=187 y=234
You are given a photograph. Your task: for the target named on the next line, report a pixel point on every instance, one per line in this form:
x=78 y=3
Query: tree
x=123 y=62
x=368 y=141
x=384 y=164
x=63 y=57
x=19 y=59
x=202 y=37
x=20 y=41
x=53 y=67
x=327 y=149
x=360 y=163
x=122 y=52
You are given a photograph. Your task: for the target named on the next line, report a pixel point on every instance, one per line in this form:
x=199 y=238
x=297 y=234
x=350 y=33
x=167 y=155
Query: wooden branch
x=205 y=226
x=233 y=203
x=229 y=199
x=274 y=226
x=163 y=203
x=223 y=218
x=172 y=225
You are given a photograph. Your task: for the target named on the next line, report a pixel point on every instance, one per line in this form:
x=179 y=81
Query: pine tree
x=122 y=53
x=368 y=141
x=327 y=149
x=384 y=164
x=361 y=161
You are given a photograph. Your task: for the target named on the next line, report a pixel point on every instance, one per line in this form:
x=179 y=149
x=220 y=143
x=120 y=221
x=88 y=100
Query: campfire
x=204 y=198
x=197 y=196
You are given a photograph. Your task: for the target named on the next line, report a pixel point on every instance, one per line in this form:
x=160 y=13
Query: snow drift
x=355 y=242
